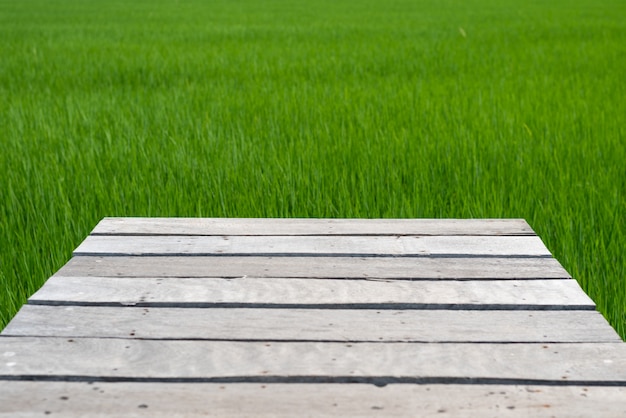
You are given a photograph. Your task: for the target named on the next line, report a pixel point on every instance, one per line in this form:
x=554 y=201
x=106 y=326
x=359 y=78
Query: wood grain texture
x=317 y=267
x=277 y=317
x=514 y=294
x=530 y=246
x=294 y=226
x=340 y=325
x=77 y=399
x=98 y=358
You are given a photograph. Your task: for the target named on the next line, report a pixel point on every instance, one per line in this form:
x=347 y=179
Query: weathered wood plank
x=338 y=325
x=314 y=245
x=318 y=267
x=74 y=399
x=101 y=358
x=470 y=294
x=282 y=226
x=235 y=322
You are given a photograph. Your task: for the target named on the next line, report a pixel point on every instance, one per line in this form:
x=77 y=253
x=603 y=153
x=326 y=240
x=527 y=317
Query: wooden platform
x=295 y=317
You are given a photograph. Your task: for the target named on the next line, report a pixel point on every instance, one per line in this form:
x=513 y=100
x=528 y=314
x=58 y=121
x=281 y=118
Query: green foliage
x=318 y=108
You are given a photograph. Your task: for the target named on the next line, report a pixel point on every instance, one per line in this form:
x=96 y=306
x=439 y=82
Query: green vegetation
x=317 y=108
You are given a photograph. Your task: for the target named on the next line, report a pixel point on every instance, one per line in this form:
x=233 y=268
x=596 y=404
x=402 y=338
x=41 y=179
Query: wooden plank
x=318 y=267
x=74 y=399
x=471 y=294
x=291 y=226
x=338 y=325
x=313 y=245
x=282 y=362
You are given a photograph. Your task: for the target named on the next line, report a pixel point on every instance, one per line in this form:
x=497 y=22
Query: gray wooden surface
x=313 y=324
x=355 y=246
x=255 y=291
x=290 y=317
x=303 y=227
x=78 y=399
x=318 y=267
x=276 y=361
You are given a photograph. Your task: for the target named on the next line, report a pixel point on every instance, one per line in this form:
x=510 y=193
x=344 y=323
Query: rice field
x=318 y=108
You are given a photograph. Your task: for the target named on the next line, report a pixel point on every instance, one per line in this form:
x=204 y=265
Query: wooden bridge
x=295 y=317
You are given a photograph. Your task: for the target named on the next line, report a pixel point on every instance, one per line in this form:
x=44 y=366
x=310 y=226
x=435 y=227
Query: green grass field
x=317 y=108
